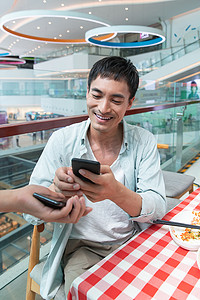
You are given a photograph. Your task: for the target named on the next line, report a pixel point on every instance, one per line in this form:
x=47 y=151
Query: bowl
x=186 y=238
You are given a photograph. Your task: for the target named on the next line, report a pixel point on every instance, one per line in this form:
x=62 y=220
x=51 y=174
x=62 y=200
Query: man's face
x=107 y=102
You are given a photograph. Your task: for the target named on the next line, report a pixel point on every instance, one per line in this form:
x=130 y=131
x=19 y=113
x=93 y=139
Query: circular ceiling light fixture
x=4 y=52
x=11 y=61
x=142 y=30
x=30 y=14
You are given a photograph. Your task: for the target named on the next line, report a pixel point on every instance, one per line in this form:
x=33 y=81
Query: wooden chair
x=177 y=184
x=32 y=287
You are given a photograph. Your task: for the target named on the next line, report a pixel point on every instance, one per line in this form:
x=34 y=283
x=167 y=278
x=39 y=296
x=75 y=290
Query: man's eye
x=95 y=96
x=116 y=101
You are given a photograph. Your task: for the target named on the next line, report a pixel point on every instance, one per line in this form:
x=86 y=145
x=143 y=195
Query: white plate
x=184 y=217
x=198 y=258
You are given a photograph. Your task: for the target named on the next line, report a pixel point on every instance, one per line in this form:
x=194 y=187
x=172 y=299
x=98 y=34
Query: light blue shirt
x=141 y=164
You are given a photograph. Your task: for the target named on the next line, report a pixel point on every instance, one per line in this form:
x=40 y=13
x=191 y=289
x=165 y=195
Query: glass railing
x=101 y=51
x=177 y=128
x=47 y=84
x=165 y=56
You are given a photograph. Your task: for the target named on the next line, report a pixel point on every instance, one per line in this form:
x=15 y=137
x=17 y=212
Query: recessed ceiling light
x=55 y=37
x=67 y=30
x=62 y=4
x=81 y=27
x=49 y=23
x=38 y=27
x=13 y=22
x=60 y=35
x=126 y=19
x=126 y=8
x=44 y=1
x=90 y=13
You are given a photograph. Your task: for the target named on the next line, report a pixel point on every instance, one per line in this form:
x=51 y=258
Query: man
x=128 y=193
x=22 y=200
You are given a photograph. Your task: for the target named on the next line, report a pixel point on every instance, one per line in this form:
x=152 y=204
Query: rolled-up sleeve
x=149 y=181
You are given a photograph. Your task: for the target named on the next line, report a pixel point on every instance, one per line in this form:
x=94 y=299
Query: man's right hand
x=65 y=184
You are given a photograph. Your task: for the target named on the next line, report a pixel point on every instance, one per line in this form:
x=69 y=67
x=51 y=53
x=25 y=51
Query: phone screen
x=90 y=165
x=49 y=202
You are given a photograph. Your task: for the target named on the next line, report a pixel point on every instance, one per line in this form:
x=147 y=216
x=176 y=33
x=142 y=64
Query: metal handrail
x=38 y=125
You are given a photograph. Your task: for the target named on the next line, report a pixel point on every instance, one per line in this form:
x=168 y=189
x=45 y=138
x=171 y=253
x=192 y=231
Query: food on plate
x=191 y=234
x=186 y=238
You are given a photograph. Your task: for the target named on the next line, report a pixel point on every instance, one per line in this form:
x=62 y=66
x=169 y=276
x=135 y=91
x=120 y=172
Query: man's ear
x=130 y=102
x=87 y=91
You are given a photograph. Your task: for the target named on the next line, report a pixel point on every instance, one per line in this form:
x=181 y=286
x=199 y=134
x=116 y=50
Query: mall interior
x=47 y=48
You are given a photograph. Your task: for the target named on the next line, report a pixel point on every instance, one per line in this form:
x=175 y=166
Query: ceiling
x=118 y=12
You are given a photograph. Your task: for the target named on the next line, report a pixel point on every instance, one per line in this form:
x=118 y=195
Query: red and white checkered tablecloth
x=149 y=266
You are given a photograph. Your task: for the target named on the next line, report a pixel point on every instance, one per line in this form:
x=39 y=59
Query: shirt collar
x=84 y=133
x=83 y=137
x=125 y=145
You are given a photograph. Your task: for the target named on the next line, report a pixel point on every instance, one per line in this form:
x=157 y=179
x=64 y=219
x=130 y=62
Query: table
x=149 y=266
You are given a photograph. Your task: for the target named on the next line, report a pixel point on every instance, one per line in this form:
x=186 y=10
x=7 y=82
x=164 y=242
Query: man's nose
x=104 y=106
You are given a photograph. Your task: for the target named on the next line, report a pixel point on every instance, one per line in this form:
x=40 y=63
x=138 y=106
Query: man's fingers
x=87 y=211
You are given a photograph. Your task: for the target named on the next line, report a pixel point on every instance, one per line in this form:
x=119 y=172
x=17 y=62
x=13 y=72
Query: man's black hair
x=116 y=68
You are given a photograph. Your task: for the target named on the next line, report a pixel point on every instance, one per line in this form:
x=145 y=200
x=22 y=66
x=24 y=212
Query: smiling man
x=129 y=192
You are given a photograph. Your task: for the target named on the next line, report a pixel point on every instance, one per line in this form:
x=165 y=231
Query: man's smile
x=102 y=117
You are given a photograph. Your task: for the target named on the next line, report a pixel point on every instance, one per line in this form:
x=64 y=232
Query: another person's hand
x=64 y=183
x=22 y=200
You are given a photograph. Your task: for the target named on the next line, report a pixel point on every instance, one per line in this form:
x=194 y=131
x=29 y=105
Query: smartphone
x=90 y=165
x=49 y=202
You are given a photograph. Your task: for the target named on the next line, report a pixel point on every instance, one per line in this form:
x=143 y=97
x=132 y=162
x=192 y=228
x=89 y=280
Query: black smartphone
x=49 y=202
x=90 y=165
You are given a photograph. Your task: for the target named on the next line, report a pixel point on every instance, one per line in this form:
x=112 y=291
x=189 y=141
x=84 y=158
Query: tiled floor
x=16 y=290
x=195 y=171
